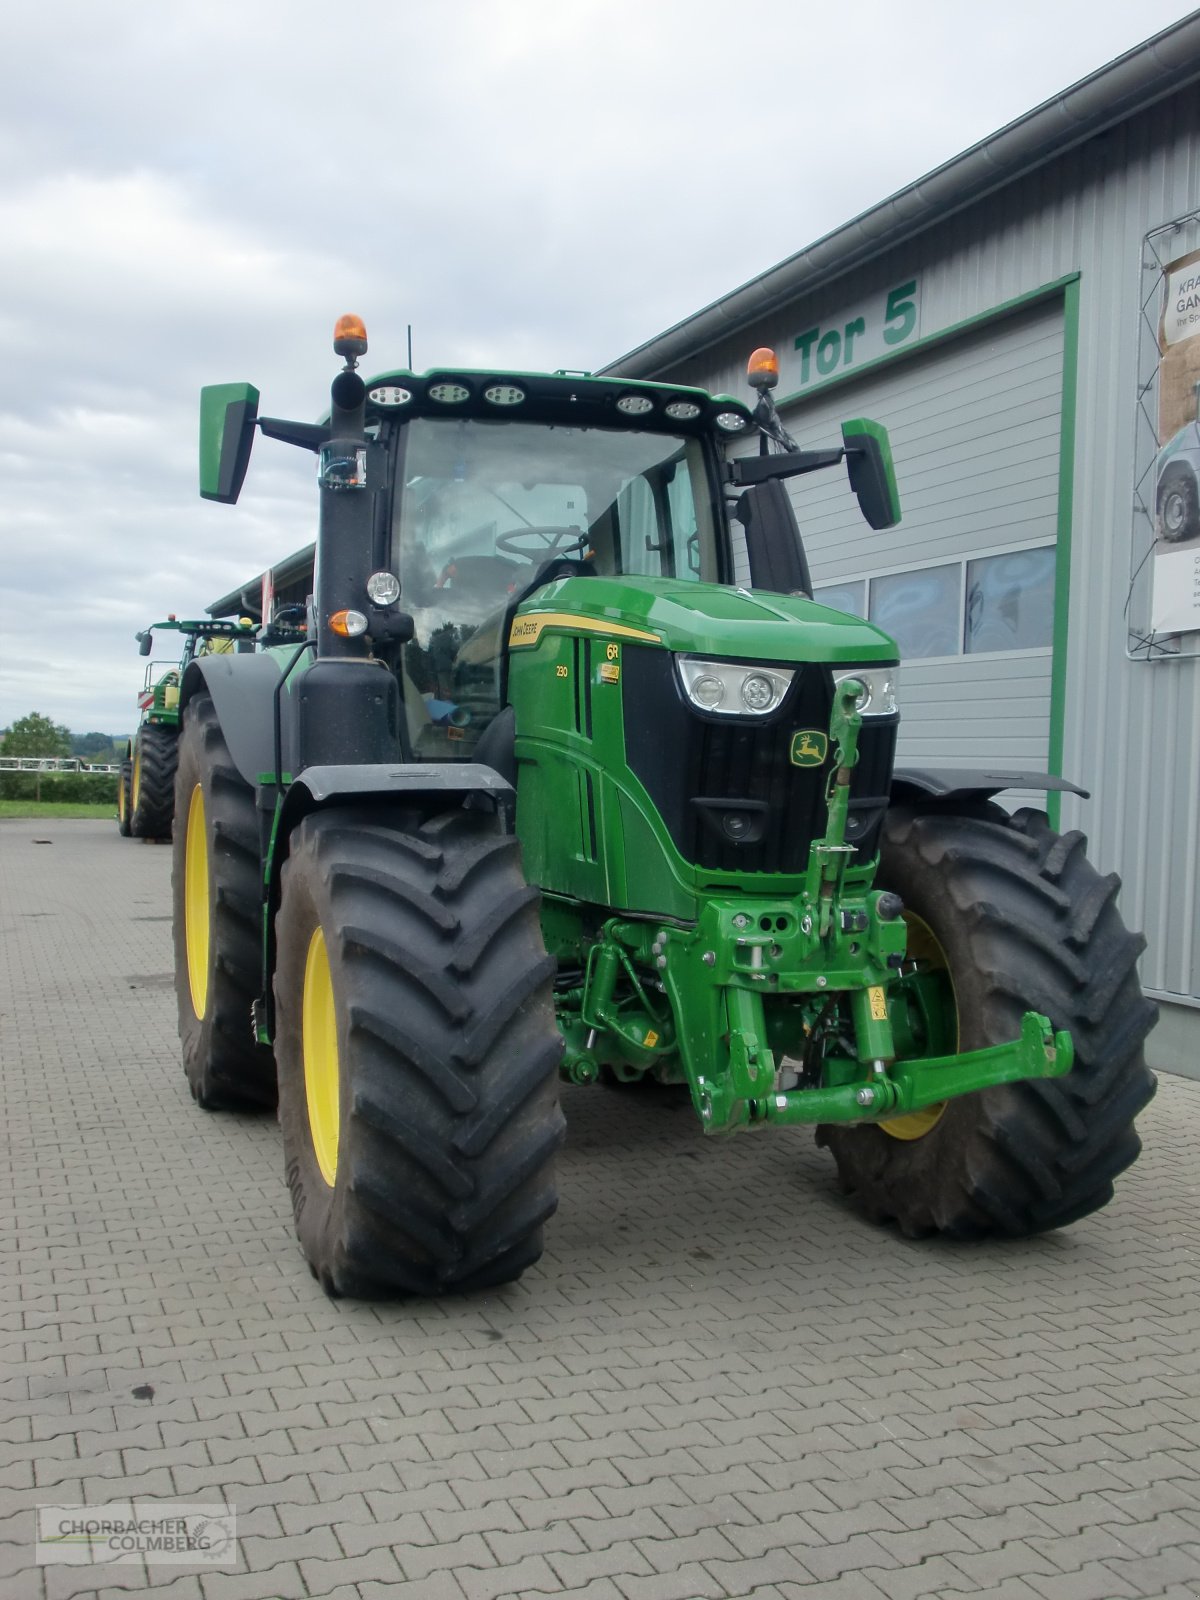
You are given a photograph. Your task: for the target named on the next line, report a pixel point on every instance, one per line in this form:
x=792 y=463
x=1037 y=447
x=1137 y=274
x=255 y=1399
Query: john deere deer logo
x=809 y=748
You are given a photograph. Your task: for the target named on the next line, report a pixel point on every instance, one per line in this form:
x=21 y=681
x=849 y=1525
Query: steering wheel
x=547 y=542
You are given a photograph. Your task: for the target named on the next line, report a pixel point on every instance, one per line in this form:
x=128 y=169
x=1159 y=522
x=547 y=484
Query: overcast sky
x=192 y=193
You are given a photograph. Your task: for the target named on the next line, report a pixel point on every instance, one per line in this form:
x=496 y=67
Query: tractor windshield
x=483 y=505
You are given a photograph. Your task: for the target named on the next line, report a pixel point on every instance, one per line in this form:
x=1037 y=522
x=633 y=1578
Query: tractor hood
x=703 y=619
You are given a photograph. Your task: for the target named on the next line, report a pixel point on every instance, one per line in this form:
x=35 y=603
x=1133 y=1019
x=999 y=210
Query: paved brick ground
x=719 y=1382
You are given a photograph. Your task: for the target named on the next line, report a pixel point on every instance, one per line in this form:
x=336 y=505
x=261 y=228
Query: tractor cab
x=483 y=488
x=486 y=512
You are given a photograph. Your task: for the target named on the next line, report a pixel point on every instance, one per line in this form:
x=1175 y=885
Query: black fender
x=424 y=784
x=243 y=695
x=926 y=785
x=428 y=785
x=439 y=783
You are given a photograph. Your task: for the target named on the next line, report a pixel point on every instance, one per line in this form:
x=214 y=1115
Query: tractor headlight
x=881 y=689
x=760 y=692
x=504 y=394
x=731 y=688
x=383 y=588
x=389 y=394
x=448 y=394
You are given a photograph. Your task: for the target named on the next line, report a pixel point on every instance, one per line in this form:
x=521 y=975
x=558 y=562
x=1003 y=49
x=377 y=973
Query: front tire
x=123 y=808
x=417 y=1053
x=1022 y=922
x=152 y=782
x=216 y=901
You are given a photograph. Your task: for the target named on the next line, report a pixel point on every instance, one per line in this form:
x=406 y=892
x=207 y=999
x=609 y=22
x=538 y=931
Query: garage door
x=966 y=582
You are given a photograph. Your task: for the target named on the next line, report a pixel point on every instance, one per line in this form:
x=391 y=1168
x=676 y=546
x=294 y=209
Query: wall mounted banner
x=1175 y=603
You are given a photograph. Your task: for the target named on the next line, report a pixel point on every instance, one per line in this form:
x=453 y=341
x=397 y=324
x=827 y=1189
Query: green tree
x=36 y=735
x=93 y=746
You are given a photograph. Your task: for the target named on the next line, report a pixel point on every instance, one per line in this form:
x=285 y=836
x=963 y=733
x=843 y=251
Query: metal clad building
x=996 y=316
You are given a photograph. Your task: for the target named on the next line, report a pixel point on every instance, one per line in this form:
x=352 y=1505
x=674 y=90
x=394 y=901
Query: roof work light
x=762 y=369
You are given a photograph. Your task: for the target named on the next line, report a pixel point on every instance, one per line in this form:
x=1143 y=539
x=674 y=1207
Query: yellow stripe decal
x=528 y=631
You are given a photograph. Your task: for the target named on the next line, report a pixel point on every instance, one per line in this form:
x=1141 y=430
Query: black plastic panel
x=680 y=754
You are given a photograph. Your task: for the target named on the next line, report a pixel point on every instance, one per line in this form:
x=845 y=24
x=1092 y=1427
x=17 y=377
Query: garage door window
x=1010 y=601
x=992 y=603
x=851 y=597
x=919 y=609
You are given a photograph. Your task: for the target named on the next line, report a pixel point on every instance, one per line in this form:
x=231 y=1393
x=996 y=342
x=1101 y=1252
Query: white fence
x=54 y=764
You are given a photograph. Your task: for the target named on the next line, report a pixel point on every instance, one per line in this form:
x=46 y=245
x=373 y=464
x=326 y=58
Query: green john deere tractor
x=546 y=793
x=146 y=788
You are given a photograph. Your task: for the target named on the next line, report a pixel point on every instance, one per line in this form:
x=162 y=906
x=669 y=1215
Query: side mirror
x=773 y=544
x=145 y=643
x=872 y=475
x=228 y=414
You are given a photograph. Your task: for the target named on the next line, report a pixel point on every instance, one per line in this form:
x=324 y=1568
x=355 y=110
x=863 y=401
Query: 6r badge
x=809 y=748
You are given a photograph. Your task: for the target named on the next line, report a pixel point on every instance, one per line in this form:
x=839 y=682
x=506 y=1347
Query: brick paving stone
x=744 y=1575
x=685 y=1583
x=558 y=1538
x=855 y=1586
x=1094 y=1581
x=438 y=1586
x=1174 y=1571
x=931 y=1575
x=528 y=1575
x=675 y=1403
x=595 y=1589
x=281 y=1580
x=161 y=1584
x=581 y=1506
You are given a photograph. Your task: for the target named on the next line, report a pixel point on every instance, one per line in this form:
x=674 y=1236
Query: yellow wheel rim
x=135 y=788
x=196 y=914
x=318 y=1018
x=923 y=946
x=121 y=798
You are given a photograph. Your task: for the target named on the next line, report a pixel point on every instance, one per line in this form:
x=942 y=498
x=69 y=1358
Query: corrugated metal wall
x=974 y=426
x=1132 y=731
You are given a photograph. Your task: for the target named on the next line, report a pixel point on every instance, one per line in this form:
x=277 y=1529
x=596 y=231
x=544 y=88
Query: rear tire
x=414 y=1010
x=215 y=890
x=123 y=783
x=1026 y=924
x=152 y=782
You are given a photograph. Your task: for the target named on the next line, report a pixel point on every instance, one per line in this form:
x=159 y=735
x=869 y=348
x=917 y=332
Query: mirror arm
x=758 y=469
x=308 y=435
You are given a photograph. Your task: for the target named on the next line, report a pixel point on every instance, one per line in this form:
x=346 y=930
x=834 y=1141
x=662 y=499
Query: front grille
x=680 y=755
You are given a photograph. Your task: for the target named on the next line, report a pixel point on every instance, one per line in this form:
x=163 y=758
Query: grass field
x=56 y=808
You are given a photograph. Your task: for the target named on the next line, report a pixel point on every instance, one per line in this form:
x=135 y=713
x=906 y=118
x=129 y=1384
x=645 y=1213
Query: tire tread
x=1038 y=929
x=451 y=1121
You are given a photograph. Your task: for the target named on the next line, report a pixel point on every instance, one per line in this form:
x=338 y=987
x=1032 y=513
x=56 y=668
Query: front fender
x=911 y=785
x=243 y=694
x=421 y=782
x=426 y=785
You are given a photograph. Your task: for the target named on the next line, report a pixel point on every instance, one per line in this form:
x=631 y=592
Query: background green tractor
x=546 y=793
x=146 y=787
